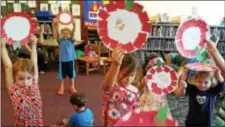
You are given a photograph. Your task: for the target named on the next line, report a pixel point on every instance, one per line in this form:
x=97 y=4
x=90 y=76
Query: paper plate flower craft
x=65 y=18
x=150 y=118
x=190 y=35
x=18 y=27
x=161 y=80
x=197 y=66
x=119 y=26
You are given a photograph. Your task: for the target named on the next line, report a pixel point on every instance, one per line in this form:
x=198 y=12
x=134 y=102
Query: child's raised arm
x=7 y=64
x=213 y=51
x=34 y=56
x=181 y=88
x=73 y=29
x=111 y=76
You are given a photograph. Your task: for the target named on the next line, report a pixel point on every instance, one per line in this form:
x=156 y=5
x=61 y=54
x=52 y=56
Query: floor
x=55 y=107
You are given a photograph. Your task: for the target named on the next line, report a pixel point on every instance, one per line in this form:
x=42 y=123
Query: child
x=202 y=96
x=120 y=96
x=82 y=116
x=148 y=100
x=66 y=58
x=22 y=84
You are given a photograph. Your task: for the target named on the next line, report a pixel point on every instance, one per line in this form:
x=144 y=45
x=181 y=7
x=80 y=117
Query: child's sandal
x=60 y=91
x=73 y=90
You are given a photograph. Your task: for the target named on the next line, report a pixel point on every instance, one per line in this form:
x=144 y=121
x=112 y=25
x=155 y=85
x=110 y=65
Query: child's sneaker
x=73 y=90
x=60 y=91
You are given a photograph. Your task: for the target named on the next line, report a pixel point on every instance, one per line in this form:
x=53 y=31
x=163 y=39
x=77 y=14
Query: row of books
x=161 y=44
x=170 y=31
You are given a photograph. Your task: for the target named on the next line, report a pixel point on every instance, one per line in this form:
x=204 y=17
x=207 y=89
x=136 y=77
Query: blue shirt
x=66 y=50
x=201 y=105
x=83 y=118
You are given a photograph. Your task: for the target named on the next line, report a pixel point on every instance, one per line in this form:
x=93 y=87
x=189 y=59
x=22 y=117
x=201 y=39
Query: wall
x=211 y=11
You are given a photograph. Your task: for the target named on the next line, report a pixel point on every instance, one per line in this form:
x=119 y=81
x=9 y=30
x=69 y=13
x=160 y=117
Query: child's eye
x=28 y=78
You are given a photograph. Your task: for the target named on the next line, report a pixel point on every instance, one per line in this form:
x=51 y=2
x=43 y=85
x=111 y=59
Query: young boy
x=82 y=116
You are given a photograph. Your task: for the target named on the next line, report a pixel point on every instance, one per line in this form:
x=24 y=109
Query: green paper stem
x=129 y=3
x=201 y=55
x=162 y=113
x=16 y=45
x=159 y=63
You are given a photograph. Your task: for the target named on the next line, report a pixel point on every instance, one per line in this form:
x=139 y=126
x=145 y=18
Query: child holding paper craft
x=148 y=100
x=119 y=95
x=202 y=96
x=22 y=84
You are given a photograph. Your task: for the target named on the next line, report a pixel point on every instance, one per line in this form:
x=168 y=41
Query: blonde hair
x=207 y=74
x=25 y=65
x=67 y=29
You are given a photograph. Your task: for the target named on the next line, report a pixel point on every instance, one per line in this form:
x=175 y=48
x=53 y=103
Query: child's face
x=203 y=83
x=66 y=34
x=24 y=78
x=126 y=80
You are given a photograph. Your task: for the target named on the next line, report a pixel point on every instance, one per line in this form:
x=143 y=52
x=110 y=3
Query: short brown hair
x=78 y=99
x=23 y=65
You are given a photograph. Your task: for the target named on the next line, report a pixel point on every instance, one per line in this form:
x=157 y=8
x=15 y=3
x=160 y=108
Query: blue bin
x=44 y=15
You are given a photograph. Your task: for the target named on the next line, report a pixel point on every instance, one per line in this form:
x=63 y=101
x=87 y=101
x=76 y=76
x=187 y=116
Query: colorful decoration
x=116 y=26
x=150 y=118
x=18 y=27
x=191 y=34
x=161 y=80
x=65 y=18
x=201 y=54
x=197 y=66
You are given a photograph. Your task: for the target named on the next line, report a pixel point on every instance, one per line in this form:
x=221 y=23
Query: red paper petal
x=146 y=27
x=140 y=40
x=113 y=44
x=165 y=91
x=137 y=8
x=103 y=14
x=173 y=83
x=149 y=77
x=110 y=7
x=24 y=41
x=170 y=88
x=173 y=75
x=166 y=69
x=106 y=40
x=152 y=71
x=10 y=40
x=143 y=17
x=159 y=69
x=156 y=90
x=120 y=4
x=103 y=32
x=128 y=47
x=170 y=122
x=102 y=24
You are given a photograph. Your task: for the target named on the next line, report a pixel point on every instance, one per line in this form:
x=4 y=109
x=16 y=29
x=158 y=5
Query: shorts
x=66 y=69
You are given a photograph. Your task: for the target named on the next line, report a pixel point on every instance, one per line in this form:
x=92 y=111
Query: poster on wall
x=17 y=7
x=44 y=7
x=90 y=12
x=76 y=10
x=65 y=7
x=55 y=9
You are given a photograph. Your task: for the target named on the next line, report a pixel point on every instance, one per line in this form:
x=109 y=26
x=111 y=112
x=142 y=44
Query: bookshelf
x=162 y=37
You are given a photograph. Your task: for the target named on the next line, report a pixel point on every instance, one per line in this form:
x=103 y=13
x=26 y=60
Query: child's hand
x=33 y=39
x=65 y=121
x=182 y=84
x=3 y=42
x=117 y=55
x=219 y=76
x=211 y=46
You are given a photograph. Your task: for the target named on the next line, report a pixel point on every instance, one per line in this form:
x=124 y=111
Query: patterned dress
x=152 y=102
x=27 y=105
x=118 y=102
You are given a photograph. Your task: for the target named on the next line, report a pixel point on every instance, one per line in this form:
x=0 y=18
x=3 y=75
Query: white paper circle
x=65 y=17
x=17 y=28
x=162 y=79
x=123 y=26
x=191 y=38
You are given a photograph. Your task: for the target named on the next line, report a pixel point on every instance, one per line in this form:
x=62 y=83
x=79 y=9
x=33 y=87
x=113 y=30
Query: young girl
x=202 y=96
x=119 y=95
x=148 y=100
x=22 y=84
x=66 y=58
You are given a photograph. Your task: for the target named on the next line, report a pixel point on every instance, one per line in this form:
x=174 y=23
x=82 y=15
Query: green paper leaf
x=201 y=55
x=129 y=3
x=16 y=45
x=159 y=63
x=162 y=113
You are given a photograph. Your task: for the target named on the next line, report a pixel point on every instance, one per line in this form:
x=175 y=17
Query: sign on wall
x=90 y=11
